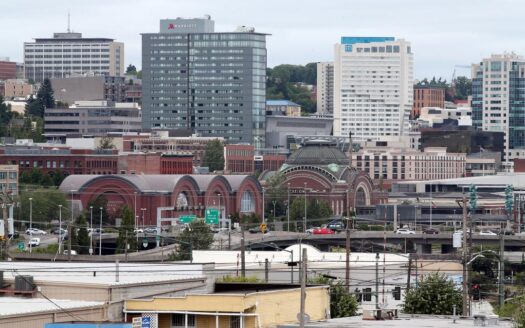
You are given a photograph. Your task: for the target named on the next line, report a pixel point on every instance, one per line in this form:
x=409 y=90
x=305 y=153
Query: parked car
x=96 y=231
x=324 y=230
x=33 y=242
x=150 y=230
x=35 y=231
x=431 y=231
x=405 y=231
x=14 y=235
x=487 y=233
x=336 y=225
x=73 y=252
x=258 y=230
x=138 y=231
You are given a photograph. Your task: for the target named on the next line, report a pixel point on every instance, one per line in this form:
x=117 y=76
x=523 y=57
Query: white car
x=73 y=252
x=138 y=231
x=35 y=231
x=404 y=231
x=311 y=230
x=487 y=233
x=34 y=242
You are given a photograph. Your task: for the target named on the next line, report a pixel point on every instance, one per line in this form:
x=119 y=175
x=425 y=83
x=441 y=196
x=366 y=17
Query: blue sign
x=146 y=322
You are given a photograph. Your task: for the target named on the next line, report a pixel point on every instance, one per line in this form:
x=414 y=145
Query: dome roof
x=318 y=152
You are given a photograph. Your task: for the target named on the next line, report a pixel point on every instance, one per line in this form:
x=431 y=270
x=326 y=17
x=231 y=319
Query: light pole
x=30 y=224
x=274 y=202
x=135 y=210
x=305 y=215
x=220 y=216
x=60 y=229
x=288 y=207
x=263 y=208
x=91 y=232
x=415 y=218
x=100 y=235
x=143 y=210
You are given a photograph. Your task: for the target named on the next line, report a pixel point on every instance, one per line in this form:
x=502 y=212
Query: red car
x=323 y=231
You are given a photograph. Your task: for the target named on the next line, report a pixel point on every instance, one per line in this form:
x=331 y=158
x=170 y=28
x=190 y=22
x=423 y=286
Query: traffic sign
x=187 y=218
x=145 y=242
x=212 y=216
x=263 y=227
x=146 y=322
x=21 y=245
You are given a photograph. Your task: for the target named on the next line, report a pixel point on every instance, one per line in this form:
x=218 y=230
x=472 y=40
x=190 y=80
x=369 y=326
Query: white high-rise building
x=325 y=88
x=373 y=87
x=69 y=54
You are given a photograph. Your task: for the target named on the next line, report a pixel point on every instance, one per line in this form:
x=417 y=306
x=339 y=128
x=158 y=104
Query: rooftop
x=318 y=152
x=10 y=306
x=99 y=273
x=280 y=103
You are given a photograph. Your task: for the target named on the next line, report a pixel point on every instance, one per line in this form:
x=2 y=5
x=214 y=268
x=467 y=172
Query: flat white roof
x=515 y=179
x=18 y=305
x=101 y=273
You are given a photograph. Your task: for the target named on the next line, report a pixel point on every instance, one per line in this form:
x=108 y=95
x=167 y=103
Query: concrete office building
x=16 y=89
x=373 y=87
x=93 y=117
x=88 y=88
x=210 y=83
x=67 y=54
x=9 y=179
x=497 y=100
x=325 y=88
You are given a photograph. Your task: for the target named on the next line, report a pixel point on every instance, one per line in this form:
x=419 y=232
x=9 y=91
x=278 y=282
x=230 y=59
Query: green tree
x=106 y=143
x=97 y=203
x=45 y=204
x=342 y=303
x=46 y=94
x=34 y=107
x=125 y=232
x=197 y=235
x=82 y=244
x=214 y=156
x=131 y=69
x=58 y=177
x=5 y=117
x=463 y=87
x=435 y=294
x=36 y=176
x=46 y=181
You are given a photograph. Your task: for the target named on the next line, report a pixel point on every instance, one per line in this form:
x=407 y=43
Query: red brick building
x=7 y=70
x=155 y=163
x=186 y=194
x=427 y=97
x=241 y=158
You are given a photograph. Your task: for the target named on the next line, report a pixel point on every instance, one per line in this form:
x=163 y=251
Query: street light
x=91 y=232
x=288 y=207
x=263 y=219
x=143 y=210
x=30 y=224
x=100 y=235
x=220 y=216
x=60 y=229
x=305 y=215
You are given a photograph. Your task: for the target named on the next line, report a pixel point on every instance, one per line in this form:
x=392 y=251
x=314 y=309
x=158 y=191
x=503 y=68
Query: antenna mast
x=68 y=22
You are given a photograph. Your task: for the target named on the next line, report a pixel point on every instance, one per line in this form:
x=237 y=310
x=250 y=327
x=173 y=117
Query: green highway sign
x=21 y=245
x=212 y=216
x=187 y=218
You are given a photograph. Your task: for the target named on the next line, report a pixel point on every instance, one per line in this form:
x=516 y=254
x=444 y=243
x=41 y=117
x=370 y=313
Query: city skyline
x=442 y=34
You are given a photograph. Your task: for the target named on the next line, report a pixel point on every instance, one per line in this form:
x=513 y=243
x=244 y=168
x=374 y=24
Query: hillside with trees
x=288 y=82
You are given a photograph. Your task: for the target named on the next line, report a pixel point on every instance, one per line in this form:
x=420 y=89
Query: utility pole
x=464 y=244
x=304 y=260
x=243 y=255
x=377 y=281
x=409 y=270
x=69 y=242
x=126 y=248
x=266 y=269
x=501 y=292
x=347 y=245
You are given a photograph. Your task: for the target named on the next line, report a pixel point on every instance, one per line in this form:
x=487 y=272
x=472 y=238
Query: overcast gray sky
x=443 y=33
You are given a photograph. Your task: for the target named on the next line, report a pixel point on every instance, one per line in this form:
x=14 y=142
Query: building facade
x=242 y=159
x=388 y=165
x=7 y=69
x=497 y=100
x=282 y=131
x=68 y=54
x=206 y=82
x=186 y=194
x=325 y=88
x=283 y=107
x=93 y=118
x=89 y=88
x=9 y=179
x=17 y=89
x=373 y=87
x=427 y=97
x=155 y=163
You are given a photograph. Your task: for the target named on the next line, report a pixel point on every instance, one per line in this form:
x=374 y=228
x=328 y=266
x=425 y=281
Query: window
x=178 y=320
x=367 y=294
x=247 y=202
x=235 y=322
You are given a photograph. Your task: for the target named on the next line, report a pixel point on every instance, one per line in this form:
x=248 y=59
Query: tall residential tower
x=373 y=87
x=69 y=54
x=325 y=88
x=205 y=82
x=498 y=100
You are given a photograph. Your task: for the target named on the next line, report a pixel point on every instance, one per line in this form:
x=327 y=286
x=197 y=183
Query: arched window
x=247 y=202
x=361 y=197
x=182 y=200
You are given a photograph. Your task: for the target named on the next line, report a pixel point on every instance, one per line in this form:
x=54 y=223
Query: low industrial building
x=104 y=285
x=23 y=312
x=233 y=305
